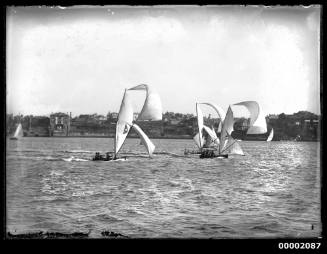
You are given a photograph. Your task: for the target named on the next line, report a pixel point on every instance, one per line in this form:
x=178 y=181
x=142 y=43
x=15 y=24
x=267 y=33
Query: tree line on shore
x=302 y=125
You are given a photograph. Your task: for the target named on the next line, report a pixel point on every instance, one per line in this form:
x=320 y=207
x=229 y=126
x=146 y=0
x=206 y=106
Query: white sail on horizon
x=271 y=135
x=125 y=117
x=152 y=108
x=19 y=131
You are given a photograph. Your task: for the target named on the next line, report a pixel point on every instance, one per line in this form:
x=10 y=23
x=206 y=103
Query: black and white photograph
x=163 y=122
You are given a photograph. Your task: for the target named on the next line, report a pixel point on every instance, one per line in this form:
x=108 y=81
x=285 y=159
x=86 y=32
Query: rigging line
x=229 y=146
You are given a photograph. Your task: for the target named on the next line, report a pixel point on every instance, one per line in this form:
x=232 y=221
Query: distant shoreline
x=133 y=137
x=103 y=137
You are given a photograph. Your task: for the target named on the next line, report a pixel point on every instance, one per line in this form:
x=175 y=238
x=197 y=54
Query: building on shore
x=59 y=124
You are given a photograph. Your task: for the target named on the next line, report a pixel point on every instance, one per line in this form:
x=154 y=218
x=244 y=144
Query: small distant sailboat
x=271 y=135
x=18 y=133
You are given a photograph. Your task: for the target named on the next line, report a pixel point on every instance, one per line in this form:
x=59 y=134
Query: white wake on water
x=72 y=158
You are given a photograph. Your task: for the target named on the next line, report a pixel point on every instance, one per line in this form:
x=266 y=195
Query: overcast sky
x=81 y=59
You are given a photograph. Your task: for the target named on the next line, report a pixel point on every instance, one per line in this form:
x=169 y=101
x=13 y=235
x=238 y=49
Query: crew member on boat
x=108 y=156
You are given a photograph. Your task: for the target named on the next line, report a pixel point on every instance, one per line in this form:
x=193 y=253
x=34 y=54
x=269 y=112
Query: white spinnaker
x=227 y=128
x=252 y=107
x=125 y=118
x=259 y=126
x=200 y=123
x=271 y=135
x=221 y=113
x=258 y=123
x=145 y=140
x=152 y=108
x=19 y=131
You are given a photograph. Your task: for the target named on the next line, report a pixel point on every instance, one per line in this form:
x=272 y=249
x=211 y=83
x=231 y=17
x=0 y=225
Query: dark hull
x=186 y=152
x=13 y=138
x=105 y=159
x=214 y=156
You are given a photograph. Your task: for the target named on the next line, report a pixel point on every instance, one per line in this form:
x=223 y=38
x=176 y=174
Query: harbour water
x=272 y=191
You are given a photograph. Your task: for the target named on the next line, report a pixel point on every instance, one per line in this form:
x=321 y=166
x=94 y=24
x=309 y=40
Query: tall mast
x=116 y=125
x=200 y=133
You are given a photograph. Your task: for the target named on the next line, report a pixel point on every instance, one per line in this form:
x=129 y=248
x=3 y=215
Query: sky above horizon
x=80 y=59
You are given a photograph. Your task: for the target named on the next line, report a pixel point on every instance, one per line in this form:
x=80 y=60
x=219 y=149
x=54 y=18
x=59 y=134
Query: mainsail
x=145 y=140
x=271 y=135
x=152 y=108
x=258 y=123
x=227 y=128
x=19 y=131
x=125 y=119
x=200 y=123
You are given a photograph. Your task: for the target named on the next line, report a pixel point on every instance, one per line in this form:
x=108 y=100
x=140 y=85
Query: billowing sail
x=271 y=135
x=212 y=134
x=125 y=118
x=227 y=127
x=259 y=126
x=200 y=123
x=221 y=113
x=152 y=108
x=252 y=107
x=145 y=140
x=214 y=140
x=19 y=131
x=258 y=123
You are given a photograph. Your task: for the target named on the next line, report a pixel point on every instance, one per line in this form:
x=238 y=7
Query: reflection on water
x=273 y=191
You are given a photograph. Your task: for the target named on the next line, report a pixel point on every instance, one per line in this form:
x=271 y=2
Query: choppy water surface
x=273 y=191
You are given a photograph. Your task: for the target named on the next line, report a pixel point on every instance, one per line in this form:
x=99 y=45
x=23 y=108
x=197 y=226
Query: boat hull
x=186 y=152
x=108 y=159
x=222 y=156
